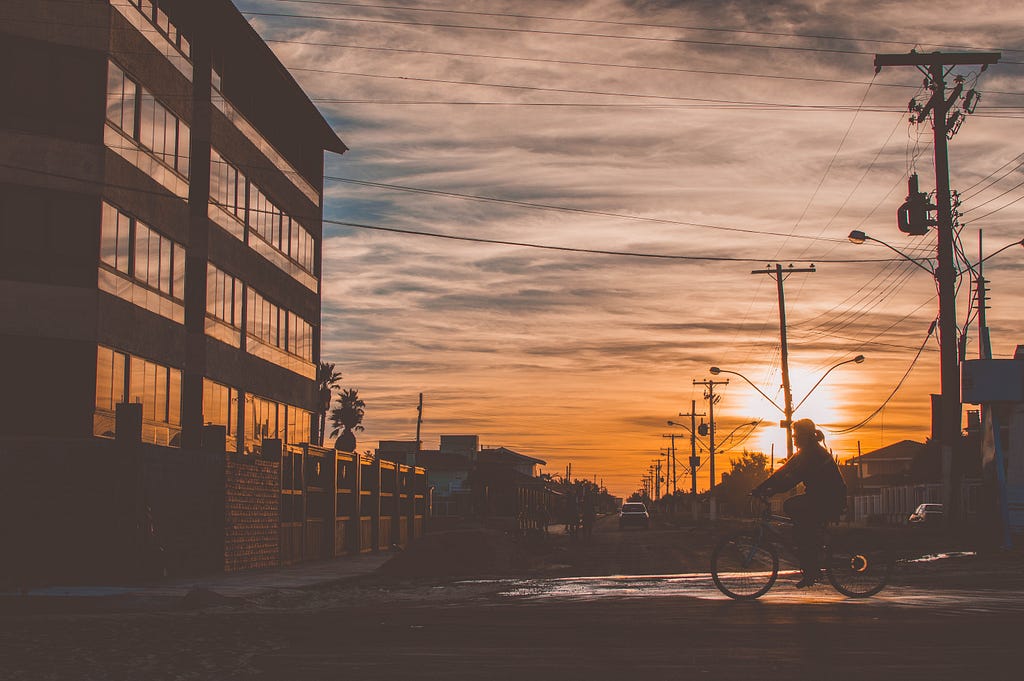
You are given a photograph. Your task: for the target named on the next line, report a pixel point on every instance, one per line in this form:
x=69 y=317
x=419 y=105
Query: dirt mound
x=455 y=553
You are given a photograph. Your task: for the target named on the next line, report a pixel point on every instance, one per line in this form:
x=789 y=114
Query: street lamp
x=949 y=359
x=788 y=413
x=733 y=431
x=858 y=237
x=859 y=359
x=694 y=465
x=715 y=371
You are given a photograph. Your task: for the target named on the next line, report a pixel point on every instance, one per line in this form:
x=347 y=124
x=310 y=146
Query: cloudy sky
x=719 y=136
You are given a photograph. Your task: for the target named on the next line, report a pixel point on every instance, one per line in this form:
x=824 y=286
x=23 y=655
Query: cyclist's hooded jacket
x=814 y=467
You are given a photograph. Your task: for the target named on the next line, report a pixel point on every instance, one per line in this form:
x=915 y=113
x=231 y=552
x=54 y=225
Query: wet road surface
x=939 y=619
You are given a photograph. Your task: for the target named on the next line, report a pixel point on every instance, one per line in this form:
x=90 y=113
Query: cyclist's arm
x=783 y=479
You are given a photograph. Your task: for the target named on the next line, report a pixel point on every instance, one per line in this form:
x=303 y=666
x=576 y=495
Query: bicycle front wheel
x=858 y=565
x=744 y=566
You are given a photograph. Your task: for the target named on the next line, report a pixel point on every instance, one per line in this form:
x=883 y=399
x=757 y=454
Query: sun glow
x=823 y=406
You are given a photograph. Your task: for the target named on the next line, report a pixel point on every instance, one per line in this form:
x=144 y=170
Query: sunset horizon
x=513 y=169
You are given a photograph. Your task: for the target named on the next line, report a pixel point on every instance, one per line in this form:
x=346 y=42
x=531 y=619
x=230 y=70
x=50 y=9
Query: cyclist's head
x=806 y=433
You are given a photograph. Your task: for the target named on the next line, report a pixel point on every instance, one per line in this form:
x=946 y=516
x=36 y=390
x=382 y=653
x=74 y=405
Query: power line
x=503 y=29
x=437 y=235
x=536 y=88
x=894 y=390
x=569 y=249
x=709 y=29
x=582 y=211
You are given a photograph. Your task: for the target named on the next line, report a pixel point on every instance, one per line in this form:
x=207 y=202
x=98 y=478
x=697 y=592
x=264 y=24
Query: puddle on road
x=693 y=585
x=933 y=557
x=700 y=586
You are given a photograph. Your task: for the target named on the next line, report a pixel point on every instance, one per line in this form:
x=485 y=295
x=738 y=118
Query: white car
x=926 y=513
x=634 y=514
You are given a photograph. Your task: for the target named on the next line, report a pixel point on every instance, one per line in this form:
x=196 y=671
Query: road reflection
x=700 y=586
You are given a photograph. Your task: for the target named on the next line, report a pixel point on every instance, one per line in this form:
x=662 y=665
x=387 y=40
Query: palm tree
x=327 y=380
x=346 y=419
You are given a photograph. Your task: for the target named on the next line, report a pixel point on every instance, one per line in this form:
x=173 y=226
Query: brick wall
x=252 y=497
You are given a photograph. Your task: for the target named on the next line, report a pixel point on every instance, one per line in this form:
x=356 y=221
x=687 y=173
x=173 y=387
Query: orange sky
x=716 y=131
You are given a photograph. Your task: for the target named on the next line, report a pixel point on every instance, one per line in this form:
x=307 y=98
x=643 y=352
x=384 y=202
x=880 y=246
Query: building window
x=158 y=17
x=279 y=237
x=227 y=186
x=141 y=117
x=120 y=378
x=223 y=306
x=141 y=265
x=278 y=335
x=278 y=327
x=220 y=408
x=268 y=419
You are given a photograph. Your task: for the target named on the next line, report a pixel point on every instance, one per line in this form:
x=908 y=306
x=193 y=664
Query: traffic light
x=703 y=429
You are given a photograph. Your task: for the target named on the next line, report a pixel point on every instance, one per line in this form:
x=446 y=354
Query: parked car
x=926 y=513
x=634 y=514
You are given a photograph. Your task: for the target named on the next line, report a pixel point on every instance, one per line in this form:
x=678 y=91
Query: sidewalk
x=199 y=591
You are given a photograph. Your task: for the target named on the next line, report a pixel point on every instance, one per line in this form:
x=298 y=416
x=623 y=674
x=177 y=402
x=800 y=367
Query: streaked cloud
x=581 y=357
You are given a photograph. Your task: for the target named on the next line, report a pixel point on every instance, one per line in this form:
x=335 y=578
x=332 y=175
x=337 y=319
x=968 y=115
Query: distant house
x=527 y=465
x=473 y=481
x=890 y=465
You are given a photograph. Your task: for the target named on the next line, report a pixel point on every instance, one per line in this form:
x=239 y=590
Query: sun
x=742 y=403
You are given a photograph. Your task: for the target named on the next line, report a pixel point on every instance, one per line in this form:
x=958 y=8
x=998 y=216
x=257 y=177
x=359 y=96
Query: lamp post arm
x=797 y=407
x=916 y=261
x=753 y=424
x=751 y=384
x=1015 y=243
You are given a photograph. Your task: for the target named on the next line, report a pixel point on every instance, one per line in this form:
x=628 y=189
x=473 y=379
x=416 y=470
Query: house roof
x=504 y=454
x=904 y=450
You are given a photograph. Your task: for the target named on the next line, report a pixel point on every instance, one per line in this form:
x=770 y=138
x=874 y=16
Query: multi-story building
x=161 y=181
x=161 y=191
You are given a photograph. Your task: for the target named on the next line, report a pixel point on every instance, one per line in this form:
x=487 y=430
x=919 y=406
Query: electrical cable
x=899 y=385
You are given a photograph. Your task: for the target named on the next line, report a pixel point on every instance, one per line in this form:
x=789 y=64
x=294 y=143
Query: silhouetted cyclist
x=824 y=498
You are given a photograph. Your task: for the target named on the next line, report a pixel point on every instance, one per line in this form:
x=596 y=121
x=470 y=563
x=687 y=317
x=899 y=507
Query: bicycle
x=745 y=564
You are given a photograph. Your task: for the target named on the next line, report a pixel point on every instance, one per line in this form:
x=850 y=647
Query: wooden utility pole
x=779 y=275
x=419 y=423
x=709 y=385
x=694 y=459
x=934 y=67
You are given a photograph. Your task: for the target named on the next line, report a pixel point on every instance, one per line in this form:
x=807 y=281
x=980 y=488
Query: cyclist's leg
x=808 y=533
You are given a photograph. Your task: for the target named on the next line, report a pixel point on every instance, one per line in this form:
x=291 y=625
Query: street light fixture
x=858 y=237
x=788 y=414
x=715 y=371
x=949 y=358
x=859 y=359
x=711 y=452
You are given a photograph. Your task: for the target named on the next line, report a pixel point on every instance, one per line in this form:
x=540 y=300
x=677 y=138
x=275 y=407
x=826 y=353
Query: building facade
x=161 y=187
x=161 y=193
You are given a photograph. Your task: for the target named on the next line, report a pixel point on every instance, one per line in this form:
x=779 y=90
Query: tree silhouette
x=327 y=380
x=745 y=473
x=346 y=419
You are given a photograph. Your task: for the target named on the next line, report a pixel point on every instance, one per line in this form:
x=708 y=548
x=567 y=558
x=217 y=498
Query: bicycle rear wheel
x=744 y=566
x=858 y=565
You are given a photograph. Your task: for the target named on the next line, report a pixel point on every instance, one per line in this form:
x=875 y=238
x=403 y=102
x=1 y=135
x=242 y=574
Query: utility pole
x=779 y=275
x=670 y=455
x=419 y=423
x=672 y=462
x=709 y=385
x=934 y=67
x=657 y=479
x=694 y=459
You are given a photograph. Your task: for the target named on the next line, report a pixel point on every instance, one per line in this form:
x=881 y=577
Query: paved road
x=671 y=626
